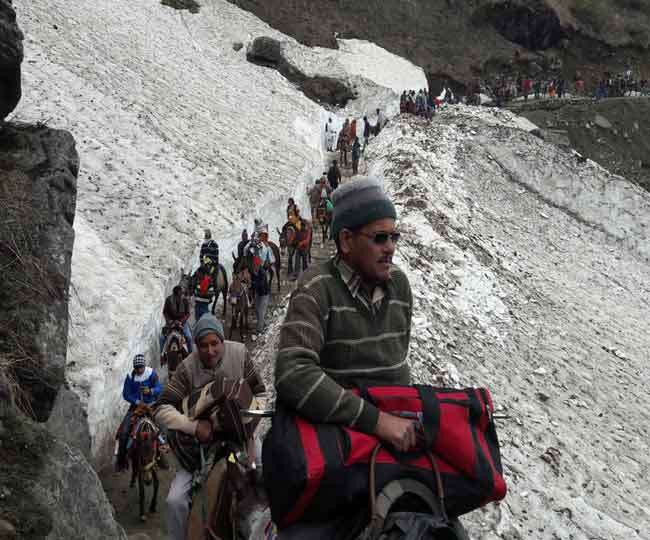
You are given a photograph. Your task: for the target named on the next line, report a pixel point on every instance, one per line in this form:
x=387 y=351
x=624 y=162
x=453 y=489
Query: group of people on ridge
x=421 y=103
x=346 y=140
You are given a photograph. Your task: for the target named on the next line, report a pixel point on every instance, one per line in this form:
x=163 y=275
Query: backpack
x=313 y=471
x=204 y=287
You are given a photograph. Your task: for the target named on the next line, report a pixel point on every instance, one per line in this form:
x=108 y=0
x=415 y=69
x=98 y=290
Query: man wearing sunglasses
x=349 y=321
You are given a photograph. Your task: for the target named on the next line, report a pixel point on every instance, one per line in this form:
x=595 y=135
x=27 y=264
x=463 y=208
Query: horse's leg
x=225 y=292
x=156 y=484
x=277 y=271
x=143 y=516
x=132 y=484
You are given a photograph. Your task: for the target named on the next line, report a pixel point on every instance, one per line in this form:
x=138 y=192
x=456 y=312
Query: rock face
x=611 y=132
x=39 y=168
x=11 y=55
x=49 y=490
x=266 y=51
x=534 y=27
x=477 y=38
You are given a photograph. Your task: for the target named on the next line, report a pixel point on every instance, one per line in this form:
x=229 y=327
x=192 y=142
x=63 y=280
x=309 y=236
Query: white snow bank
x=531 y=276
x=380 y=66
x=176 y=132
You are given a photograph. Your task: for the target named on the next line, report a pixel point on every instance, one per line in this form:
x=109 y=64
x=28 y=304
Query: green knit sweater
x=331 y=342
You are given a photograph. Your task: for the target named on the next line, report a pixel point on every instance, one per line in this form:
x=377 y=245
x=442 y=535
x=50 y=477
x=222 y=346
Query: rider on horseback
x=209 y=248
x=177 y=311
x=214 y=359
x=348 y=323
x=140 y=386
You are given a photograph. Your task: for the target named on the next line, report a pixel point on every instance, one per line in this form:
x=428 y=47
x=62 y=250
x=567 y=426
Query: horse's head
x=145 y=447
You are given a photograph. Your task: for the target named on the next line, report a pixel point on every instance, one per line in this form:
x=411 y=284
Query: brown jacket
x=236 y=364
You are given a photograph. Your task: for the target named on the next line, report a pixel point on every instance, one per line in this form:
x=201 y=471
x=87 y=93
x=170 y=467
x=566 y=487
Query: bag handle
x=394 y=490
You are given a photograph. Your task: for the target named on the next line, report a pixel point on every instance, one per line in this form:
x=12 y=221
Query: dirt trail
x=125 y=499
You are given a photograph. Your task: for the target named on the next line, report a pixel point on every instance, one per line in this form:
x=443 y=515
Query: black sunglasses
x=380 y=238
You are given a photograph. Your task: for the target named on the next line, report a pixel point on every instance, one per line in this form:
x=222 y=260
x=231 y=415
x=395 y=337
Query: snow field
x=176 y=132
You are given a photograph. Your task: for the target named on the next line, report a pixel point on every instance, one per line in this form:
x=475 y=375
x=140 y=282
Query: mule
x=175 y=349
x=220 y=284
x=289 y=241
x=144 y=454
x=274 y=271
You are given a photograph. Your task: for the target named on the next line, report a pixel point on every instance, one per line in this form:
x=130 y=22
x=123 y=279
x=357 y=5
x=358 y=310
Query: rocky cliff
x=612 y=132
x=457 y=41
x=11 y=55
x=47 y=489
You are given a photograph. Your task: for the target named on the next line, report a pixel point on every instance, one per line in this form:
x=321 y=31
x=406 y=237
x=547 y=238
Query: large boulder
x=48 y=489
x=267 y=51
x=11 y=56
x=38 y=167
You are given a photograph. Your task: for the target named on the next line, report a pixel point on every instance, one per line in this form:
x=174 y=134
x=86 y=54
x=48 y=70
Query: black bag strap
x=381 y=504
x=430 y=414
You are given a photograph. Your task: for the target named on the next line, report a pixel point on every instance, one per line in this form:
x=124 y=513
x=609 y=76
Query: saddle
x=140 y=413
x=219 y=402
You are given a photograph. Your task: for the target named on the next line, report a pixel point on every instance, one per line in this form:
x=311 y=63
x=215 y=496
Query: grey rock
x=265 y=51
x=602 y=122
x=70 y=420
x=7 y=530
x=11 y=56
x=237 y=46
x=70 y=486
x=39 y=168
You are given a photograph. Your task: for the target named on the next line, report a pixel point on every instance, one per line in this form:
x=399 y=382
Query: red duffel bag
x=314 y=471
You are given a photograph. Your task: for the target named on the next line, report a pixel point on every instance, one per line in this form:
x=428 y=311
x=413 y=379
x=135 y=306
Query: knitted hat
x=139 y=361
x=358 y=203
x=208 y=324
x=262 y=229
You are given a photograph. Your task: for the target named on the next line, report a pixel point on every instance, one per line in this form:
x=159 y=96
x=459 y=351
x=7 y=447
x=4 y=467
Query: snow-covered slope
x=531 y=276
x=176 y=132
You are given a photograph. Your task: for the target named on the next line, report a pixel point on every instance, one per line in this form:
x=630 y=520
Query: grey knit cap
x=358 y=203
x=208 y=324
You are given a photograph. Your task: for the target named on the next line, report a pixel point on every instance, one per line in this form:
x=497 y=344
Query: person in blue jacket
x=140 y=386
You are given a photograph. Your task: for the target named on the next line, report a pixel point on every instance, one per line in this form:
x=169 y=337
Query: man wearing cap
x=263 y=259
x=349 y=323
x=214 y=359
x=140 y=386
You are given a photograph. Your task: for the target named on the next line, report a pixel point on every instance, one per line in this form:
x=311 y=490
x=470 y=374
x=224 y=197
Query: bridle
x=147 y=428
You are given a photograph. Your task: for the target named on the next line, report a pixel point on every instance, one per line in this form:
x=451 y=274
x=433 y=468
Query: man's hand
x=399 y=432
x=146 y=390
x=203 y=431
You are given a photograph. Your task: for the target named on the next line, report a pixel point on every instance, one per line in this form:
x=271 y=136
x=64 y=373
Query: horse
x=220 y=280
x=273 y=271
x=289 y=238
x=240 y=302
x=175 y=349
x=324 y=219
x=144 y=454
